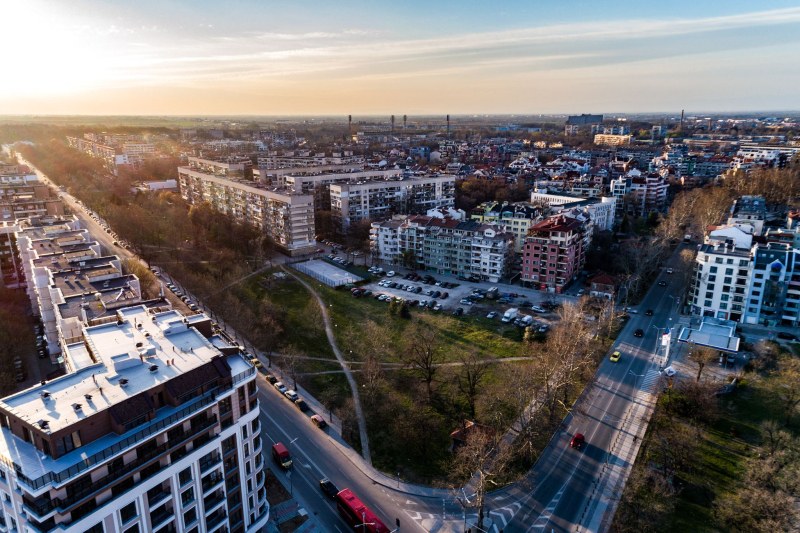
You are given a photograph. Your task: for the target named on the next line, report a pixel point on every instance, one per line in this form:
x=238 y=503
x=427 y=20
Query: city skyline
x=247 y=58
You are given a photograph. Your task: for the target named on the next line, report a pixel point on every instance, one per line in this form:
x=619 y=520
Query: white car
x=537 y=309
x=390 y=274
x=292 y=395
x=670 y=271
x=492 y=314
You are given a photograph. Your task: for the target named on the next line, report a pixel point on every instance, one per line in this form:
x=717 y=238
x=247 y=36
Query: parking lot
x=425 y=291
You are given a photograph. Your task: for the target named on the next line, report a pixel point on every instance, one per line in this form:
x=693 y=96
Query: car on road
x=319 y=421
x=328 y=488
x=649 y=312
x=390 y=274
x=670 y=271
x=638 y=333
x=492 y=314
x=292 y=395
x=577 y=441
x=662 y=283
x=615 y=356
x=786 y=336
x=537 y=309
x=301 y=404
x=279 y=386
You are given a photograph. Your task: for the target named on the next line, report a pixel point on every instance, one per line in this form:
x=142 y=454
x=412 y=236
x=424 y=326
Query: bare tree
x=473 y=370
x=423 y=354
x=786 y=383
x=481 y=461
x=290 y=357
x=703 y=355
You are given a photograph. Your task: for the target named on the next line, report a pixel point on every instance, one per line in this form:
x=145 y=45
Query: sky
x=372 y=57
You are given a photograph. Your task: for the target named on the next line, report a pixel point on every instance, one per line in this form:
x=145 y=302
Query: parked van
x=281 y=455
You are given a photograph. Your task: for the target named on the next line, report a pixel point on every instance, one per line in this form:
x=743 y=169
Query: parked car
x=269 y=377
x=279 y=386
x=328 y=488
x=492 y=314
x=301 y=404
x=615 y=357
x=577 y=441
x=537 y=309
x=459 y=311
x=638 y=333
x=319 y=421
x=390 y=274
x=256 y=363
x=786 y=336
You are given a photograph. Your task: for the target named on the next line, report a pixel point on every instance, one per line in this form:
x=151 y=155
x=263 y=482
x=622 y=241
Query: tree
x=703 y=355
x=481 y=460
x=423 y=354
x=473 y=370
x=786 y=384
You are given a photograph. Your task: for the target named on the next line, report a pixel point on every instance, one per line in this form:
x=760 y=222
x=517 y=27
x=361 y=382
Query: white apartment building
x=154 y=429
x=467 y=249
x=721 y=279
x=286 y=216
x=749 y=212
x=639 y=194
x=774 y=291
x=601 y=139
x=381 y=199
x=602 y=211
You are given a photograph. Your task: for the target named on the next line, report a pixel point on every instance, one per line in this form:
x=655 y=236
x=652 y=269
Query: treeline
x=471 y=192
x=206 y=250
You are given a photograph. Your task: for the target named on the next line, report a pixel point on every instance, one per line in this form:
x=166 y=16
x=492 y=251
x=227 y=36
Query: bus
x=358 y=515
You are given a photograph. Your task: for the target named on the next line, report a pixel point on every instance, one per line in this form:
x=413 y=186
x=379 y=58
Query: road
x=317 y=454
x=577 y=490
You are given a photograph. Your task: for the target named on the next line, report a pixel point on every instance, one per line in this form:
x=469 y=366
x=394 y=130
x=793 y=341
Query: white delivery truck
x=510 y=315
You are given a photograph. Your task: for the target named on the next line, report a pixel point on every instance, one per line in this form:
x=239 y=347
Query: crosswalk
x=494 y=519
x=650 y=381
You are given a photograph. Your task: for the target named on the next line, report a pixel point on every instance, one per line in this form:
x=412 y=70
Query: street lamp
x=289 y=473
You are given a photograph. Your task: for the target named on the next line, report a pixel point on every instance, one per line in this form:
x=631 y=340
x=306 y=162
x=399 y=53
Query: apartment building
x=114 y=150
x=749 y=212
x=69 y=279
x=639 y=194
x=601 y=210
x=23 y=195
x=602 y=139
x=154 y=429
x=286 y=216
x=381 y=199
x=773 y=296
x=554 y=253
x=516 y=217
x=467 y=249
x=721 y=278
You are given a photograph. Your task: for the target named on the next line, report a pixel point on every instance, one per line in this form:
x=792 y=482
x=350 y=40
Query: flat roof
x=126 y=349
x=714 y=333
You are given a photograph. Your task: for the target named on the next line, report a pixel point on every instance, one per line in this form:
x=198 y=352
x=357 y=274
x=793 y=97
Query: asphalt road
x=316 y=455
x=565 y=488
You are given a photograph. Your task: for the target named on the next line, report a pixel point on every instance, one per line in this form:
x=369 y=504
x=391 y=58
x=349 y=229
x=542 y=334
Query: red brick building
x=553 y=253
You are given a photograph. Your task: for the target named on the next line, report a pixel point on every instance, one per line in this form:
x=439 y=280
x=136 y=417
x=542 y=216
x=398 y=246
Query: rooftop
x=116 y=361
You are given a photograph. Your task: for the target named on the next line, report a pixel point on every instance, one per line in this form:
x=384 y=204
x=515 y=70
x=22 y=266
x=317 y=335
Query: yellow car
x=615 y=357
x=256 y=363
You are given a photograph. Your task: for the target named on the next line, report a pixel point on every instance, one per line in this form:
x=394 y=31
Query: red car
x=577 y=441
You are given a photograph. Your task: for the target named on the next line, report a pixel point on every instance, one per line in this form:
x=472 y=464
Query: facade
x=553 y=253
x=721 y=280
x=155 y=429
x=602 y=139
x=22 y=195
x=381 y=199
x=774 y=291
x=286 y=216
x=601 y=210
x=639 y=194
x=516 y=217
x=467 y=249
x=114 y=150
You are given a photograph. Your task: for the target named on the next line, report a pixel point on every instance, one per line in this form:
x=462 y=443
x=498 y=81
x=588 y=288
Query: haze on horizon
x=92 y=57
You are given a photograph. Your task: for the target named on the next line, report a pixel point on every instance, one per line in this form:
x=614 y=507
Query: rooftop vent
x=43 y=424
x=153 y=368
x=147 y=334
x=123 y=382
x=88 y=397
x=43 y=382
x=77 y=406
x=139 y=344
x=45 y=395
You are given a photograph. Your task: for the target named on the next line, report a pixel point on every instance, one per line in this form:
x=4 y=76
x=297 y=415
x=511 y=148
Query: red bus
x=358 y=515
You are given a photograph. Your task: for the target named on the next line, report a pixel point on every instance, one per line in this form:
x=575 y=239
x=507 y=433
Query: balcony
x=212 y=481
x=212 y=502
x=207 y=464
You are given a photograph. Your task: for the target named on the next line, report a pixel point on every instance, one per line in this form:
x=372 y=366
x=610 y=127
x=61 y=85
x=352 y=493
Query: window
x=709 y=294
x=187 y=497
x=713 y=269
x=133 y=529
x=728 y=271
x=185 y=477
x=97 y=528
x=128 y=512
x=756 y=293
x=728 y=280
x=707 y=304
x=757 y=284
x=190 y=516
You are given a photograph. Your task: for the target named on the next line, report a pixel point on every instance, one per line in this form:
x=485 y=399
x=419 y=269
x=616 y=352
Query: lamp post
x=289 y=473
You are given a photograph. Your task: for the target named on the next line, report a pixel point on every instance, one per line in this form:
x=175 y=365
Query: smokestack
x=448 y=126
x=681 y=126
x=405 y=118
x=392 y=124
x=349 y=125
